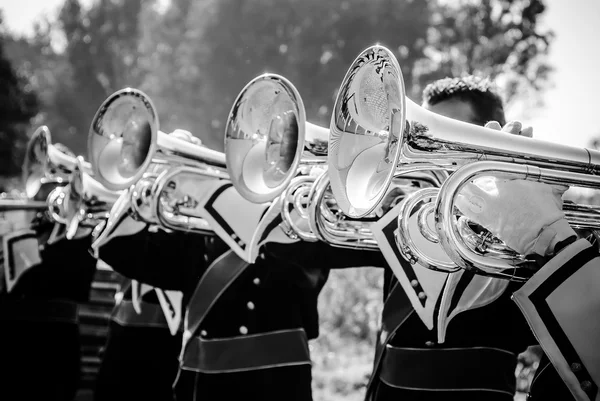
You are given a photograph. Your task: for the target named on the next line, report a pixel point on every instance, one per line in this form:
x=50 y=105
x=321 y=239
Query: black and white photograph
x=299 y=200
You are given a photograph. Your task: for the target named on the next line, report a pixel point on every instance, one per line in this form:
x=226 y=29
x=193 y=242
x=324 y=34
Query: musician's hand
x=527 y=215
x=512 y=127
x=186 y=136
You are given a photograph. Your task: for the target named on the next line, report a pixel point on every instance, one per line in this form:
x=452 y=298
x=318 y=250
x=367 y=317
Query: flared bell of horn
x=368 y=118
x=264 y=137
x=46 y=162
x=36 y=161
x=123 y=138
x=376 y=133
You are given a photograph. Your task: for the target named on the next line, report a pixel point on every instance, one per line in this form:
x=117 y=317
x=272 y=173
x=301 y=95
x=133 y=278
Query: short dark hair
x=479 y=92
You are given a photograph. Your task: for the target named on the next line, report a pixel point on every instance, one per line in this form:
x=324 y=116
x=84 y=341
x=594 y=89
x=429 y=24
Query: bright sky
x=569 y=113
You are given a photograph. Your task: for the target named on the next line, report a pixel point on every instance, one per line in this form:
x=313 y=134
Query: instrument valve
x=409 y=255
x=486 y=238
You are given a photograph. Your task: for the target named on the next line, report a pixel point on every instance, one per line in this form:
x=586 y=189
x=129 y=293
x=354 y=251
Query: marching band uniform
x=140 y=359
x=140 y=356
x=562 y=305
x=248 y=325
x=561 y=301
x=491 y=336
x=40 y=338
x=447 y=336
x=469 y=352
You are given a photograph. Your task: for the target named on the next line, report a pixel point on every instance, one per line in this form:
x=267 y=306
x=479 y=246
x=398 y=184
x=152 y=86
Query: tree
x=18 y=104
x=193 y=57
x=99 y=56
x=497 y=38
x=102 y=57
x=311 y=42
x=225 y=43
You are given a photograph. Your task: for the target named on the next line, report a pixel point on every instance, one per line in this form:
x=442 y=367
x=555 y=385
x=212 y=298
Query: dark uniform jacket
x=277 y=293
x=479 y=354
x=141 y=361
x=561 y=302
x=39 y=333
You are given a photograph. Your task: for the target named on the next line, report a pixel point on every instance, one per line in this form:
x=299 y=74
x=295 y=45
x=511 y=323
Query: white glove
x=512 y=127
x=186 y=136
x=526 y=215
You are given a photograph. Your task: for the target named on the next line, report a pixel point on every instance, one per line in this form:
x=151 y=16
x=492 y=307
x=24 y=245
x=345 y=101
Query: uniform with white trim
x=476 y=361
x=561 y=301
x=562 y=305
x=141 y=356
x=248 y=325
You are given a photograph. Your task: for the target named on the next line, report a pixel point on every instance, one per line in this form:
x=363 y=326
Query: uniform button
x=250 y=305
x=586 y=385
x=256 y=281
x=203 y=333
x=575 y=367
x=422 y=295
x=414 y=283
x=429 y=343
x=243 y=330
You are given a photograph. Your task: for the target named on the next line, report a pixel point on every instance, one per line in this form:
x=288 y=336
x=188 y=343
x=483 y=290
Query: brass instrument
x=331 y=225
x=83 y=202
x=321 y=219
x=497 y=261
x=159 y=173
x=422 y=203
x=124 y=139
x=76 y=197
x=267 y=138
x=297 y=197
x=45 y=163
x=378 y=133
x=268 y=142
x=19 y=201
x=18 y=212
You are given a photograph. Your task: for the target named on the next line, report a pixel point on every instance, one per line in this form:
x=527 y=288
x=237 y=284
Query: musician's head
x=470 y=98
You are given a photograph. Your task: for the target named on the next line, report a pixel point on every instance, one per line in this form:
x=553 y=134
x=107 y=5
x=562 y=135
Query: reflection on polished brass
x=367 y=121
x=267 y=138
x=73 y=197
x=329 y=224
x=493 y=259
x=162 y=174
x=45 y=163
x=122 y=138
x=376 y=133
x=83 y=202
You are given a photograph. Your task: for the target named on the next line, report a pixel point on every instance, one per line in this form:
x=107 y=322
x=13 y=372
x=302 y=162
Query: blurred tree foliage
x=194 y=56
x=501 y=39
x=18 y=105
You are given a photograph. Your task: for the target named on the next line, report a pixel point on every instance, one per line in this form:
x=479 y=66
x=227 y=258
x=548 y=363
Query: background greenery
x=194 y=56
